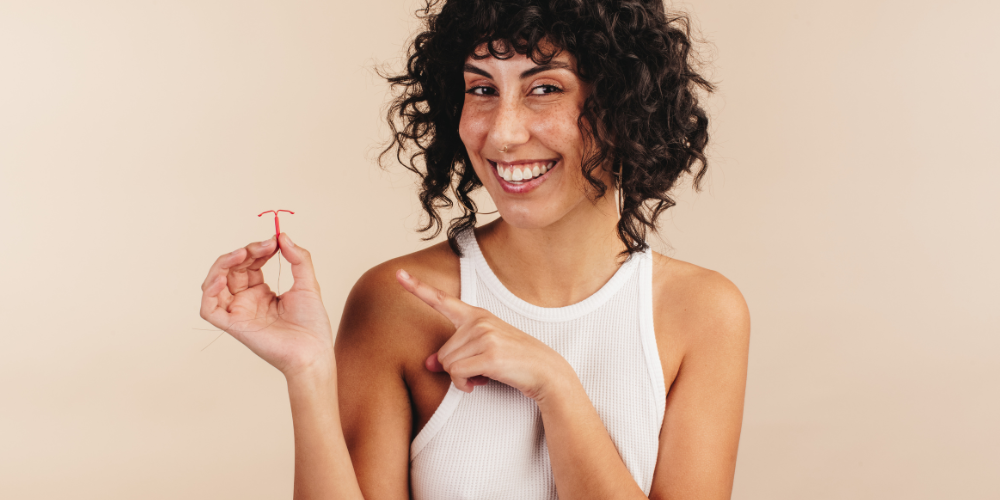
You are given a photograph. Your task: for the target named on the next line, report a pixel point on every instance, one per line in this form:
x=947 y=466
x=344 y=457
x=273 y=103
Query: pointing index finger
x=450 y=307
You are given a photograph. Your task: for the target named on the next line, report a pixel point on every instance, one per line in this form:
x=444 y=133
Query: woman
x=577 y=363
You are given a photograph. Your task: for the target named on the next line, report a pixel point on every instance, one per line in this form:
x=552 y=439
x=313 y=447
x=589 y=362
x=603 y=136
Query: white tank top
x=491 y=444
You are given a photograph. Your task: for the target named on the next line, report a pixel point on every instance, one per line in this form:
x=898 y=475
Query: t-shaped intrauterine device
x=277 y=227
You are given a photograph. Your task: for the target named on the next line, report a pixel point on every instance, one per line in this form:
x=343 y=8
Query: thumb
x=302 y=266
x=433 y=364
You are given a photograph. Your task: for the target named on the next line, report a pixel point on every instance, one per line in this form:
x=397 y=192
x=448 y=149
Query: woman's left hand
x=484 y=347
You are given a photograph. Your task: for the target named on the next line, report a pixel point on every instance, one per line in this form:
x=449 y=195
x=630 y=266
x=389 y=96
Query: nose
x=509 y=128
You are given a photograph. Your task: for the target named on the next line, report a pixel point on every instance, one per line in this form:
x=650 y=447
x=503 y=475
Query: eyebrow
x=527 y=73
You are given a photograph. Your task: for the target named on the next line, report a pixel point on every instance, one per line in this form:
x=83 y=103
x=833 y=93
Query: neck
x=560 y=264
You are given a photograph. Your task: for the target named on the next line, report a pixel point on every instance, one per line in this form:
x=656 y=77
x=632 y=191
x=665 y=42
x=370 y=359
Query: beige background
x=853 y=199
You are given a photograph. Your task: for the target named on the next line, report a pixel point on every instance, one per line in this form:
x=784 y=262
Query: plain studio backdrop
x=852 y=198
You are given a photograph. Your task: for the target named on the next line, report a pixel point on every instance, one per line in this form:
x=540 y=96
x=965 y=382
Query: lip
x=524 y=187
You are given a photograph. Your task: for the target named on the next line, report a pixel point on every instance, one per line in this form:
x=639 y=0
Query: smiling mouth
x=522 y=172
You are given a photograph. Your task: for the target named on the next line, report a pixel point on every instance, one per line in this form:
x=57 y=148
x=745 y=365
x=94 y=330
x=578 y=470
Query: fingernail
x=289 y=240
x=266 y=243
x=405 y=275
x=236 y=252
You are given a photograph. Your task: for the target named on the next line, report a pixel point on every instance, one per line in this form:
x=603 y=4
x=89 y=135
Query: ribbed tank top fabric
x=490 y=444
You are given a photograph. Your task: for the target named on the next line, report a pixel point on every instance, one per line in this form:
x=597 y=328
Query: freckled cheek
x=560 y=132
x=473 y=128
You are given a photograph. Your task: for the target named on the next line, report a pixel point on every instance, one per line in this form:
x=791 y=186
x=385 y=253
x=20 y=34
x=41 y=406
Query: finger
x=302 y=266
x=476 y=335
x=259 y=253
x=247 y=273
x=210 y=303
x=465 y=370
x=434 y=365
x=222 y=265
x=254 y=275
x=455 y=310
x=461 y=345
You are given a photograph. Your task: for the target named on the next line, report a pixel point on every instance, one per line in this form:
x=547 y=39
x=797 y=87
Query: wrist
x=560 y=390
x=319 y=371
x=314 y=390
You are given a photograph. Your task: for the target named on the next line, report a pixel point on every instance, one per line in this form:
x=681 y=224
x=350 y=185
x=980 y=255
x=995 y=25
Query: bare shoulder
x=385 y=332
x=702 y=328
x=697 y=306
x=380 y=313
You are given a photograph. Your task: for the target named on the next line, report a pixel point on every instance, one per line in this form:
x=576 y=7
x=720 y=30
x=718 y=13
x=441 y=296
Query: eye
x=481 y=90
x=545 y=89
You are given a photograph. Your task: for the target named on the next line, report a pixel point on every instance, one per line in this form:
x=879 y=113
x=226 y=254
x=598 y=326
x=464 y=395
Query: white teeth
x=528 y=172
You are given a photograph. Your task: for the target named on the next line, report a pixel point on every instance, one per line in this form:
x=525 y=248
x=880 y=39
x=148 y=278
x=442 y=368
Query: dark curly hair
x=643 y=116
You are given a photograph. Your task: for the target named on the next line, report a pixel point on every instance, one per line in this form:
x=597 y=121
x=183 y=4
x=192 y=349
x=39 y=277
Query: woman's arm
x=708 y=325
x=585 y=462
x=701 y=428
x=323 y=467
x=374 y=399
x=292 y=333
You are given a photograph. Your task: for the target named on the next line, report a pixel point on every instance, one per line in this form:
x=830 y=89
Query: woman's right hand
x=291 y=332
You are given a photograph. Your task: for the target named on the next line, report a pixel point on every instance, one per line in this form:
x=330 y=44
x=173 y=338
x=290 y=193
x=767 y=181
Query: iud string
x=277 y=233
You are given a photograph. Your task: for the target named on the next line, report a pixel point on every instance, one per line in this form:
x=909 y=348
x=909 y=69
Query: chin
x=526 y=216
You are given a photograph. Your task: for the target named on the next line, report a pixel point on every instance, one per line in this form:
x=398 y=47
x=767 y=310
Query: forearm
x=585 y=462
x=323 y=468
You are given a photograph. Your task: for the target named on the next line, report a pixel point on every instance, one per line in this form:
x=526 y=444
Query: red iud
x=277 y=227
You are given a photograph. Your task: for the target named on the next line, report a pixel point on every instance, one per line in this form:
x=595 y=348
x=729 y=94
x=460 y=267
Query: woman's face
x=519 y=126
